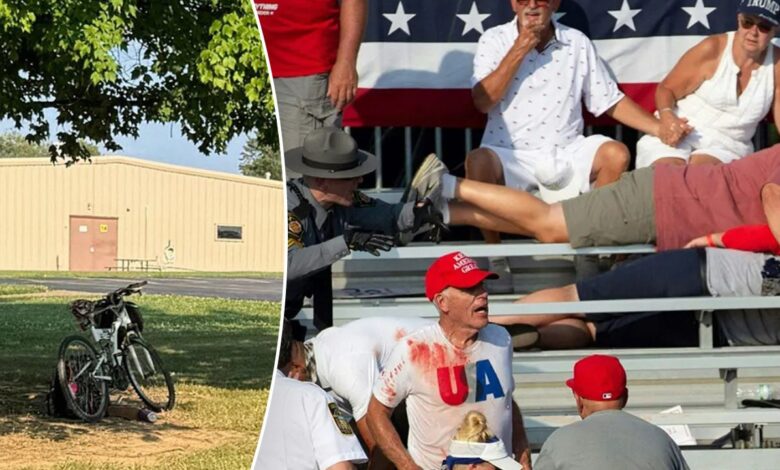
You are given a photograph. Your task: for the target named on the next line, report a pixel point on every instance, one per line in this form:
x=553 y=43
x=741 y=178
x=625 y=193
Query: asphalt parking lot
x=235 y=288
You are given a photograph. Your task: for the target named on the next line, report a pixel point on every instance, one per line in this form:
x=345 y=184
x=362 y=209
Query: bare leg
x=527 y=214
x=556 y=331
x=669 y=161
x=483 y=165
x=704 y=159
x=566 y=293
x=610 y=162
x=462 y=213
x=567 y=333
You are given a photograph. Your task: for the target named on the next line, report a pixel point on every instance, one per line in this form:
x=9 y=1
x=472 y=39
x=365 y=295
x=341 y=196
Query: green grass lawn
x=16 y=289
x=136 y=274
x=220 y=351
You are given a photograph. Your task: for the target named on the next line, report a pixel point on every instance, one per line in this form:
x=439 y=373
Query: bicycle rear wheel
x=150 y=379
x=85 y=395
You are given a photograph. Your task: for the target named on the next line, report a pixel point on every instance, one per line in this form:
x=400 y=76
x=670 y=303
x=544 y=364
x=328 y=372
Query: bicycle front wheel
x=85 y=394
x=150 y=379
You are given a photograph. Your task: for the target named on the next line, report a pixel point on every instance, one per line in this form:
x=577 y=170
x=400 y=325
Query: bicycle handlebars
x=134 y=288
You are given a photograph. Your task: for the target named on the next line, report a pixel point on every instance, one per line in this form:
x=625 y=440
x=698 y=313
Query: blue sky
x=164 y=143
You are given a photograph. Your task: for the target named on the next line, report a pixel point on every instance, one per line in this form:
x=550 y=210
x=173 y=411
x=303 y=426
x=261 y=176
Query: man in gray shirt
x=607 y=437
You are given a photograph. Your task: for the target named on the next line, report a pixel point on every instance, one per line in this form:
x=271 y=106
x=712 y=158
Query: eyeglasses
x=747 y=23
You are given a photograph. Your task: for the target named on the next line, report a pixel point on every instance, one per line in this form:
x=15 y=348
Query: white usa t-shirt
x=441 y=383
x=303 y=430
x=350 y=357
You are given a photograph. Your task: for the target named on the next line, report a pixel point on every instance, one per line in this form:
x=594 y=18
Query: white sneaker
x=502 y=285
x=426 y=182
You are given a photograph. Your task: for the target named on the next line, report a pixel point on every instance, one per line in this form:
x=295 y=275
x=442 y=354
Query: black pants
x=676 y=273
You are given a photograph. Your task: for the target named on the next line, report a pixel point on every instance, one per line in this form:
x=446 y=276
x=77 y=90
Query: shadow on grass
x=228 y=344
x=54 y=429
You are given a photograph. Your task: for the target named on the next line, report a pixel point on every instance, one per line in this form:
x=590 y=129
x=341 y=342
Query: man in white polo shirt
x=531 y=76
x=304 y=429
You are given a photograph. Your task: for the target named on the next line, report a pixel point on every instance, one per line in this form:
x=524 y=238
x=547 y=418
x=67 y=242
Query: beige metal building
x=126 y=213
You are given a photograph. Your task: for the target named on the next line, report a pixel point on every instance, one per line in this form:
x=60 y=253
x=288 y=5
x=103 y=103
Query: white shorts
x=650 y=148
x=520 y=165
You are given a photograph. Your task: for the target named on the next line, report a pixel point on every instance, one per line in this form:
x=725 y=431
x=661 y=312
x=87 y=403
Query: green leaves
x=105 y=67
x=259 y=158
x=14 y=145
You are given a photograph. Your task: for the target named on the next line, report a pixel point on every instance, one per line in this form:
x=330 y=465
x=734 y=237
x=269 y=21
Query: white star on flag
x=624 y=16
x=699 y=14
x=399 y=20
x=473 y=20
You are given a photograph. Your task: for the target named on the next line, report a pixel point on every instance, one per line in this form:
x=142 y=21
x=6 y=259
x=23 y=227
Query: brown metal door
x=93 y=242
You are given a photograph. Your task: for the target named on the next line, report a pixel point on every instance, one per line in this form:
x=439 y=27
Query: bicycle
x=114 y=356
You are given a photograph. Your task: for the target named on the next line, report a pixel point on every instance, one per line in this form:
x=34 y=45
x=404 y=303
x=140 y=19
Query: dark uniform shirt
x=315 y=235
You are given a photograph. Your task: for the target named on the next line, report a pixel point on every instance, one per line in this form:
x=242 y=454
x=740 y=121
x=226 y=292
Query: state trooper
x=327 y=217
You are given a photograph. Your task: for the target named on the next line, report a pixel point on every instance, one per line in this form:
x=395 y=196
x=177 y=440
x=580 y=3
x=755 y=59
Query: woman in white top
x=718 y=92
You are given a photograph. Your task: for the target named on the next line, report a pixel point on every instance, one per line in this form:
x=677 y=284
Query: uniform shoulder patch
x=294 y=231
x=359 y=199
x=342 y=422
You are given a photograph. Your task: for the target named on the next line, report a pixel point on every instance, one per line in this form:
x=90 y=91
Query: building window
x=229 y=232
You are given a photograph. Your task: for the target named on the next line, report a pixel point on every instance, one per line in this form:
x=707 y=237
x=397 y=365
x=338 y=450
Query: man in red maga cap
x=607 y=437
x=459 y=364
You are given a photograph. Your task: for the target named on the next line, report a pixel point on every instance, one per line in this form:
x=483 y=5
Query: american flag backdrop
x=416 y=59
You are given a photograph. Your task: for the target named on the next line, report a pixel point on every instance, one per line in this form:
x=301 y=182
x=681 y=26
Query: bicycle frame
x=108 y=340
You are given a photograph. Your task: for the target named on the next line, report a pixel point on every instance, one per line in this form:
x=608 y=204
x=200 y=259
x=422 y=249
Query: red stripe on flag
x=417 y=107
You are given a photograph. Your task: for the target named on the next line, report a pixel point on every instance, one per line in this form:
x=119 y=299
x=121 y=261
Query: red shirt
x=695 y=200
x=301 y=37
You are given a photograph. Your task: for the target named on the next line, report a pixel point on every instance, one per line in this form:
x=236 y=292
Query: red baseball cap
x=454 y=270
x=599 y=378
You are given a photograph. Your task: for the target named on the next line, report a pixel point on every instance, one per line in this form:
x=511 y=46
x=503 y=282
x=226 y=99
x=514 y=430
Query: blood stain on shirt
x=399 y=333
x=389 y=392
x=428 y=358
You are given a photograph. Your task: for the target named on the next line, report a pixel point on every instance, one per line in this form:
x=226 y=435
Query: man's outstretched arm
x=378 y=418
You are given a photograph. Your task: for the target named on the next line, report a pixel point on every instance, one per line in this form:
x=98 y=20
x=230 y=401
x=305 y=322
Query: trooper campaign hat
x=329 y=152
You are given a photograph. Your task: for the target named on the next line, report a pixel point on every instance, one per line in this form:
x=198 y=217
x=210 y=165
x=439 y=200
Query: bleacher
x=703 y=380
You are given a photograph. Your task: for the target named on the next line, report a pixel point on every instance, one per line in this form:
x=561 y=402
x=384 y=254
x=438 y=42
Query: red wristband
x=709 y=240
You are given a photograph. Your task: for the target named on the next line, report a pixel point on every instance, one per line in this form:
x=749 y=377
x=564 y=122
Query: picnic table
x=130 y=264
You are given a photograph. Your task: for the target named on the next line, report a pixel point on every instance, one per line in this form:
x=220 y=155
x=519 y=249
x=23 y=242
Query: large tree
x=14 y=145
x=259 y=158
x=106 y=66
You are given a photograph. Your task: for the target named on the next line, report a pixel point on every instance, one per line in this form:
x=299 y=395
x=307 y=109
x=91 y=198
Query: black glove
x=372 y=242
x=426 y=214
